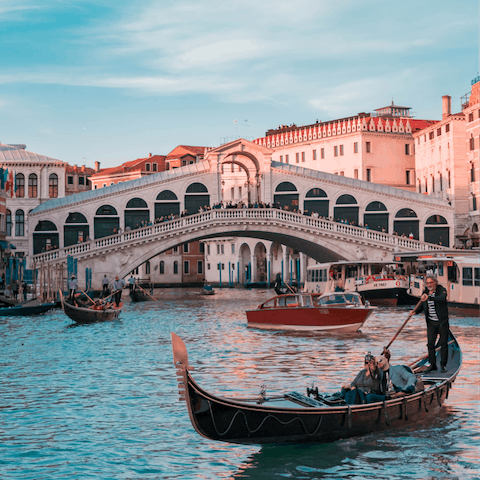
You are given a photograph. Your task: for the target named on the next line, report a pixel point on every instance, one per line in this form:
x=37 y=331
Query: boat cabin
x=302 y=300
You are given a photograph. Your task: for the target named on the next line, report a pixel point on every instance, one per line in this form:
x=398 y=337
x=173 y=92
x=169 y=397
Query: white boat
x=381 y=283
x=457 y=270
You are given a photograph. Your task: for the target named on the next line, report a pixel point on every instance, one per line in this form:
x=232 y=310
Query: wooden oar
x=400 y=329
x=119 y=290
x=291 y=289
x=87 y=296
x=154 y=299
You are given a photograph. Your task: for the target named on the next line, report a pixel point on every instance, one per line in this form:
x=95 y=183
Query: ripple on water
x=101 y=401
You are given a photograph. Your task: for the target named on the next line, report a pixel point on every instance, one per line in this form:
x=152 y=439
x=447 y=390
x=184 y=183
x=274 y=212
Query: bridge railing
x=289 y=218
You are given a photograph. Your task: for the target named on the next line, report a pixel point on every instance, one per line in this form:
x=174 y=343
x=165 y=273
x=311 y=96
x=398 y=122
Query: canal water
x=101 y=401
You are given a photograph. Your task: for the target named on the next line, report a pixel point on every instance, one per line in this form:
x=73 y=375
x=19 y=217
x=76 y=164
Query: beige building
x=374 y=147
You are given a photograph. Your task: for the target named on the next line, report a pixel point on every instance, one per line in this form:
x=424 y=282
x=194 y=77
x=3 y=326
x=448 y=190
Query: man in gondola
x=72 y=286
x=434 y=305
x=131 y=283
x=118 y=285
x=398 y=378
x=105 y=283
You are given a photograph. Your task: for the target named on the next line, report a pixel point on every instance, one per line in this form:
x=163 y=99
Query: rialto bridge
x=82 y=226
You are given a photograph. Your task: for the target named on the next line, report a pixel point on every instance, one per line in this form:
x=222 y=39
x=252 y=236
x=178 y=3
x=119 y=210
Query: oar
x=290 y=288
x=119 y=290
x=154 y=299
x=85 y=293
x=400 y=329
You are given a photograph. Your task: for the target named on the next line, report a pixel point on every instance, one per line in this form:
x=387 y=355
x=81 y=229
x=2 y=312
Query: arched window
x=166 y=204
x=19 y=223
x=316 y=202
x=45 y=237
x=196 y=196
x=137 y=213
x=106 y=210
x=20 y=185
x=53 y=186
x=106 y=221
x=175 y=268
x=377 y=217
x=286 y=187
x=147 y=268
x=406 y=223
x=32 y=186
x=346 y=210
x=286 y=196
x=436 y=220
x=437 y=230
x=346 y=200
x=376 y=207
x=9 y=223
x=162 y=267
x=166 y=195
x=137 y=203
x=197 y=188
x=76 y=229
x=405 y=212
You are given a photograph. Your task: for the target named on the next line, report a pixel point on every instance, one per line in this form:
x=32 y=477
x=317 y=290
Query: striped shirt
x=432 y=314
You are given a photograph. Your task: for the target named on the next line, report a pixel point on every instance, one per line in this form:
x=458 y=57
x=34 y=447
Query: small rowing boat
x=297 y=418
x=92 y=314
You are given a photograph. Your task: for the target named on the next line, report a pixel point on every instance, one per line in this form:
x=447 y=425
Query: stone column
x=303 y=268
x=253 y=263
x=269 y=268
x=286 y=266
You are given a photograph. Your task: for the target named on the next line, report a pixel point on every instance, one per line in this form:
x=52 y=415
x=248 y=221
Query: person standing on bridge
x=118 y=285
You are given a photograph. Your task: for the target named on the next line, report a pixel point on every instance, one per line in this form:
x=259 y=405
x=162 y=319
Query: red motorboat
x=343 y=311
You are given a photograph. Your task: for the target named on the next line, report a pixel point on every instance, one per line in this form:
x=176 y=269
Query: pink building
x=373 y=147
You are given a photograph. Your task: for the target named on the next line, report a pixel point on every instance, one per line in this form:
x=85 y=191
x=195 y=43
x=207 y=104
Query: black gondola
x=139 y=295
x=297 y=418
x=89 y=315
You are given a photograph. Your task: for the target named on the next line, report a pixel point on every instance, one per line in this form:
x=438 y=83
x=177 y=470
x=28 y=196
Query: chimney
x=446 y=106
x=97 y=167
x=149 y=154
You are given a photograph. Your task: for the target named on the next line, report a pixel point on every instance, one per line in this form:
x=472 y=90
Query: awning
x=4 y=245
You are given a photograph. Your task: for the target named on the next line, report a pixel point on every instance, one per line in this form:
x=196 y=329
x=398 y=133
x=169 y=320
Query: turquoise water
x=101 y=401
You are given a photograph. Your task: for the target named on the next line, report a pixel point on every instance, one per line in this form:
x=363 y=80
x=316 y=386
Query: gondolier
x=131 y=282
x=118 y=285
x=72 y=286
x=105 y=283
x=434 y=304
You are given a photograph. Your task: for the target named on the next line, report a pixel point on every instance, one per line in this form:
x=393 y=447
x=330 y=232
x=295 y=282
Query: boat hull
x=87 y=315
x=26 y=311
x=139 y=296
x=309 y=318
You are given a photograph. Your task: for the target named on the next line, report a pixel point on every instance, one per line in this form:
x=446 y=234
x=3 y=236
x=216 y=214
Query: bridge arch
x=105 y=221
x=286 y=195
x=437 y=231
x=45 y=237
x=316 y=200
x=166 y=204
x=196 y=196
x=346 y=209
x=406 y=223
x=376 y=216
x=75 y=229
x=137 y=213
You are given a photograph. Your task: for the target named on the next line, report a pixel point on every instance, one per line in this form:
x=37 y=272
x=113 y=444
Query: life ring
x=397 y=283
x=369 y=279
x=331 y=272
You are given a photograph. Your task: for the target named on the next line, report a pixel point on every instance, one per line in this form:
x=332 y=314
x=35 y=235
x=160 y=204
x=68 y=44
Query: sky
x=114 y=80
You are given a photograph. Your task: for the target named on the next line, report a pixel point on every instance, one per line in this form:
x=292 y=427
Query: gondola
x=284 y=290
x=139 y=295
x=89 y=315
x=21 y=310
x=298 y=418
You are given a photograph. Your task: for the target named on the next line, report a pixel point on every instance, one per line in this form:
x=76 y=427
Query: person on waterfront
x=72 y=287
x=105 y=283
x=398 y=378
x=131 y=283
x=15 y=289
x=339 y=287
x=118 y=285
x=434 y=304
x=366 y=386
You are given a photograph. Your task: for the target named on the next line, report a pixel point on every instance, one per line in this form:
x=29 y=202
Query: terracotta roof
x=137 y=165
x=77 y=169
x=182 y=150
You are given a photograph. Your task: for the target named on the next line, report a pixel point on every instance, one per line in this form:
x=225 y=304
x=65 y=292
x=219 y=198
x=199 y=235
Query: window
x=342 y=174
x=431 y=135
x=286 y=158
x=419 y=186
x=222 y=248
x=201 y=247
x=314 y=153
x=147 y=268
x=297 y=157
x=322 y=153
x=9 y=223
x=208 y=249
x=477 y=277
x=175 y=250
x=232 y=245
x=19 y=223
x=335 y=151
x=162 y=267
x=175 y=268
x=447 y=128
x=407 y=149
x=472 y=172
x=186 y=267
x=32 y=186
x=355 y=147
x=81 y=180
x=474 y=203
x=341 y=150
x=449 y=180
x=303 y=156
x=70 y=180
x=418 y=140
x=53 y=186
x=355 y=173
x=281 y=158
x=218 y=249
x=407 y=179
x=470 y=117
x=467 y=275
x=441 y=182
x=368 y=147
x=369 y=174
x=433 y=183
x=185 y=248
x=472 y=143
x=88 y=182
x=208 y=266
x=199 y=267
x=439 y=131
x=147 y=167
x=20 y=185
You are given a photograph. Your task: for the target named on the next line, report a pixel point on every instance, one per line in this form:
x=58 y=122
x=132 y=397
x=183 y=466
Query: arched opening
x=8 y=222
x=53 y=186
x=166 y=204
x=377 y=217
x=106 y=221
x=76 y=229
x=286 y=196
x=32 y=186
x=315 y=202
x=45 y=237
x=20 y=185
x=346 y=210
x=196 y=196
x=19 y=223
x=162 y=267
x=406 y=223
x=137 y=213
x=437 y=231
x=245 y=268
x=260 y=253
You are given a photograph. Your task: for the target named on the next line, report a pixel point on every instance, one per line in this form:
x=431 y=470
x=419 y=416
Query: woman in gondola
x=366 y=386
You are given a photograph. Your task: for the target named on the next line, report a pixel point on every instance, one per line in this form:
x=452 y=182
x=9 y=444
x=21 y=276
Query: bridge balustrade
x=179 y=224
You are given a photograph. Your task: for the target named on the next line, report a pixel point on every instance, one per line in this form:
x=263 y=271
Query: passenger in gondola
x=366 y=386
x=397 y=378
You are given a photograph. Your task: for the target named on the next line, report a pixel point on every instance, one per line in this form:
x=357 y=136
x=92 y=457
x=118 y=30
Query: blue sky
x=113 y=80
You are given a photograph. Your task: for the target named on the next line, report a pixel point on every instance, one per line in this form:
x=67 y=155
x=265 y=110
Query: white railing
x=244 y=216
